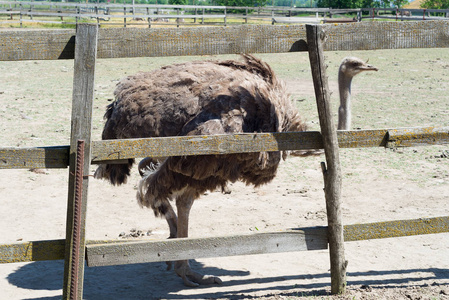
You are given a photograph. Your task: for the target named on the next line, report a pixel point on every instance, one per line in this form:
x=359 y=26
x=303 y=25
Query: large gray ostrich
x=198 y=98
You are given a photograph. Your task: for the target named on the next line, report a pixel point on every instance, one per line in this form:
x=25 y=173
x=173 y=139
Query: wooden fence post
x=124 y=18
x=331 y=173
x=82 y=104
x=225 y=17
x=20 y=16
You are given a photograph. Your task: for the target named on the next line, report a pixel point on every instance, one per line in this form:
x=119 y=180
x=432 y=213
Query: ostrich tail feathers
x=150 y=192
x=116 y=174
x=146 y=196
x=141 y=192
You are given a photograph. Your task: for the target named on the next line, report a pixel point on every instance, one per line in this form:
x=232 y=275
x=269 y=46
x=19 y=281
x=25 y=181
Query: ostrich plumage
x=198 y=98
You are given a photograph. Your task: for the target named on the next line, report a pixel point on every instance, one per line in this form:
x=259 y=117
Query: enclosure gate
x=82 y=150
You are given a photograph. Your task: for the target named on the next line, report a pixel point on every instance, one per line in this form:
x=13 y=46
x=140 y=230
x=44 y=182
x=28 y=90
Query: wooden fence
x=186 y=15
x=403 y=14
x=111 y=14
x=89 y=43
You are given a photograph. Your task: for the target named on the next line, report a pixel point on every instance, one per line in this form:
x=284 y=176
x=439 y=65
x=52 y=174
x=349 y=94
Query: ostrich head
x=349 y=67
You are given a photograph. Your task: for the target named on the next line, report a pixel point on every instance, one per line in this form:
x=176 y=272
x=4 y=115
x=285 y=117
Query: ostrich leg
x=148 y=164
x=172 y=221
x=182 y=267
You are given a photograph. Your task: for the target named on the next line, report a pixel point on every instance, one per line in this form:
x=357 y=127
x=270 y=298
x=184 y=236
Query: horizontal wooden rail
x=404 y=18
x=112 y=150
x=177 y=249
x=121 y=16
x=300 y=239
x=38 y=157
x=393 y=9
x=390 y=229
x=144 y=42
x=293 y=240
x=40 y=250
x=203 y=145
x=104 y=6
x=409 y=137
x=32 y=251
x=289 y=20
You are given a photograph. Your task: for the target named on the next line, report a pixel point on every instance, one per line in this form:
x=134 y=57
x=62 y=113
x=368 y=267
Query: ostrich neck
x=344 y=111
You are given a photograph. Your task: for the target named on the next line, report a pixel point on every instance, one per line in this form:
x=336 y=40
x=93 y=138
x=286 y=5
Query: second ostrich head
x=349 y=67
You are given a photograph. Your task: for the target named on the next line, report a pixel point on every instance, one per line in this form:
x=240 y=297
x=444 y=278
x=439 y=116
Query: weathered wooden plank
x=409 y=137
x=362 y=138
x=40 y=157
x=390 y=229
x=41 y=250
x=387 y=35
x=331 y=170
x=32 y=251
x=57 y=157
x=82 y=108
x=178 y=249
x=175 y=249
x=200 y=40
x=54 y=249
x=138 y=42
x=59 y=44
x=118 y=16
x=236 y=143
x=290 y=20
x=36 y=44
x=200 y=145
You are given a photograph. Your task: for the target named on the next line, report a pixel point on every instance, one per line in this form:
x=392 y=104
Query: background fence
x=186 y=15
x=91 y=44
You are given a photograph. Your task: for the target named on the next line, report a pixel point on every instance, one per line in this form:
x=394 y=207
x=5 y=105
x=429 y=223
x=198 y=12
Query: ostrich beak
x=368 y=67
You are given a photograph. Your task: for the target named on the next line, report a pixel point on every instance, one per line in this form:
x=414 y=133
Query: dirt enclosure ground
x=410 y=89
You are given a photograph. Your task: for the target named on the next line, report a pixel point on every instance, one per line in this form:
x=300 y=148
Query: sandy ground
x=419 y=263
x=378 y=185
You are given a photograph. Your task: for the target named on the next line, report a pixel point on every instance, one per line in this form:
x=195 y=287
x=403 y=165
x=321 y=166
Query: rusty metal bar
x=75 y=257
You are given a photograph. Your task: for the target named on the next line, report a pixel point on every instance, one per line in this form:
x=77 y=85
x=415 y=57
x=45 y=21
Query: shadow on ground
x=136 y=281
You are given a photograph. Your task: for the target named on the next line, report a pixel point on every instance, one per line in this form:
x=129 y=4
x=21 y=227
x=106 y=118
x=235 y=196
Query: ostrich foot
x=191 y=278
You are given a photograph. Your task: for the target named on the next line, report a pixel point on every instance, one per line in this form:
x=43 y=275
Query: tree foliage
x=242 y=2
x=363 y=3
x=435 y=4
x=177 y=2
x=345 y=3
